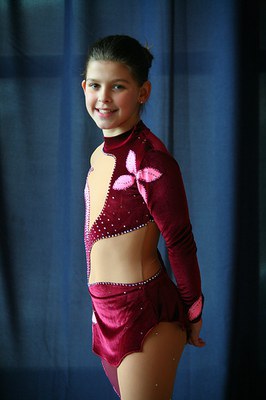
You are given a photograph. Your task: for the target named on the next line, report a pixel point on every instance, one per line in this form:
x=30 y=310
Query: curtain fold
x=205 y=106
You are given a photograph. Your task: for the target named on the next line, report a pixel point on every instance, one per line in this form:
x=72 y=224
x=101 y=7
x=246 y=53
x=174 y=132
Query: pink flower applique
x=147 y=174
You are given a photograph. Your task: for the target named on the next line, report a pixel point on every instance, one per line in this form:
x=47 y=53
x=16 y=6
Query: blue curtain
x=207 y=107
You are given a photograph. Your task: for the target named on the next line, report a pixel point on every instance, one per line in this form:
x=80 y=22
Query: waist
x=128 y=258
x=124 y=271
x=128 y=284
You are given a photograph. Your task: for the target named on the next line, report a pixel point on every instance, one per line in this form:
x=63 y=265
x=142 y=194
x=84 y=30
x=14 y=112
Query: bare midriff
x=127 y=258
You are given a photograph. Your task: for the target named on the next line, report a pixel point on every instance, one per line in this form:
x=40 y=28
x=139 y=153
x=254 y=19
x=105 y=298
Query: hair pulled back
x=123 y=49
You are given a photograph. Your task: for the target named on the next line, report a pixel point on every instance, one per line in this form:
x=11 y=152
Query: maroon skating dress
x=135 y=183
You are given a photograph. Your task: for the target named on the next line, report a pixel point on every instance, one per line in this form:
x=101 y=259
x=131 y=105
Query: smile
x=105 y=110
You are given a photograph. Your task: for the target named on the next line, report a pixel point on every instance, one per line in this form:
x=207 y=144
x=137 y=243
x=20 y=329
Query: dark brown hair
x=123 y=49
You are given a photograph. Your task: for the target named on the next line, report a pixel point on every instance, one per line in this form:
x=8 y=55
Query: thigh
x=150 y=374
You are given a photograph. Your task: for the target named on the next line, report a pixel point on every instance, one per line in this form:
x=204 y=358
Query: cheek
x=90 y=100
x=128 y=101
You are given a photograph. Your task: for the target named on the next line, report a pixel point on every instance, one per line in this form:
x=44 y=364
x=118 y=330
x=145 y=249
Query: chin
x=104 y=125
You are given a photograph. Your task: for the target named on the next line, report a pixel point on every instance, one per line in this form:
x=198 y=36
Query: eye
x=93 y=85
x=118 y=87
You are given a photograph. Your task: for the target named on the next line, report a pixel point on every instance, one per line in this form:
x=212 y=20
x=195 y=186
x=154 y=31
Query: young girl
x=141 y=319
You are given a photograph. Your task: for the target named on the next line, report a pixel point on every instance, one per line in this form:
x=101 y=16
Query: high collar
x=114 y=142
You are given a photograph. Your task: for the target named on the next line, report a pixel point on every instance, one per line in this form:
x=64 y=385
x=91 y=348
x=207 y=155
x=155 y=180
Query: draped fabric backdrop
x=208 y=106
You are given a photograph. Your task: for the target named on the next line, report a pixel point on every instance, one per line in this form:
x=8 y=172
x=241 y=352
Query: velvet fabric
x=123 y=315
x=147 y=185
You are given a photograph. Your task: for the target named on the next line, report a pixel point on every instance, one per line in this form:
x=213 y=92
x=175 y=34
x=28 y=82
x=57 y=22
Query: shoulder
x=150 y=148
x=162 y=161
x=151 y=141
x=154 y=152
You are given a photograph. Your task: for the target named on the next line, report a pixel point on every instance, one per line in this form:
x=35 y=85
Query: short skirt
x=123 y=314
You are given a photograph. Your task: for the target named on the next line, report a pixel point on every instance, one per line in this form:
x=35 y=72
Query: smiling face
x=113 y=97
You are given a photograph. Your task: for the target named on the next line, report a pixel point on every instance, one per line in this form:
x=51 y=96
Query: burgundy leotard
x=145 y=187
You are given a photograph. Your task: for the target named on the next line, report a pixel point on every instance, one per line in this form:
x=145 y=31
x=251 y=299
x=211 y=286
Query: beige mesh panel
x=99 y=181
x=130 y=257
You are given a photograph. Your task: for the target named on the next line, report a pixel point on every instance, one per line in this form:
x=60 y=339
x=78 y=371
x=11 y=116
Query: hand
x=193 y=334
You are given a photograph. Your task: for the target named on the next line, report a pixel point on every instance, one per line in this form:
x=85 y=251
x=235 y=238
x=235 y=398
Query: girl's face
x=113 y=96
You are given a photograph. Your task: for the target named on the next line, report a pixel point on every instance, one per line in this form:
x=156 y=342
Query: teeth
x=105 y=111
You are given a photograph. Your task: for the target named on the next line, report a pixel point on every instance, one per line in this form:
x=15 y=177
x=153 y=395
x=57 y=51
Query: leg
x=150 y=374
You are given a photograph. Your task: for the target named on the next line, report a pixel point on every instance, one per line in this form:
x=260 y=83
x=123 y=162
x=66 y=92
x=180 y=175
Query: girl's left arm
x=166 y=199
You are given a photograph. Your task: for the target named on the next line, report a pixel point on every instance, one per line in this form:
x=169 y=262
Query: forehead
x=108 y=70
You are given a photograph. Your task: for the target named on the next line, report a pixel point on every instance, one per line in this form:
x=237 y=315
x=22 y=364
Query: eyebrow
x=112 y=81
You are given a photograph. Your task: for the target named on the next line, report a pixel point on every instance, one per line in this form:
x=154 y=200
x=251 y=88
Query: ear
x=83 y=85
x=144 y=92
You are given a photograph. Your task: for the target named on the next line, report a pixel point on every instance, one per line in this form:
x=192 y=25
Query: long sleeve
x=163 y=190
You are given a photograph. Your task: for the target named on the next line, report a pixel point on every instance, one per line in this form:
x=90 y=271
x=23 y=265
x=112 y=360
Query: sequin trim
x=108 y=191
x=110 y=236
x=99 y=230
x=88 y=227
x=129 y=284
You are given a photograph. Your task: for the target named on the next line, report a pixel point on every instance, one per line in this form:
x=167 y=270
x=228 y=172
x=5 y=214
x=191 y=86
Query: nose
x=104 y=96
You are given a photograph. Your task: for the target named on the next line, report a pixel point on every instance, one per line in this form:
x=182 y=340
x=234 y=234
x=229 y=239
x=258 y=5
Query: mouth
x=105 y=111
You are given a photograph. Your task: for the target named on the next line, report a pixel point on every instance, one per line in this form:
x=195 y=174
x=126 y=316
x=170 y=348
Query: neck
x=121 y=129
x=113 y=142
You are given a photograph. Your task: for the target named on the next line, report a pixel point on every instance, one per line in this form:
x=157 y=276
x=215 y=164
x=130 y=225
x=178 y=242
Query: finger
x=201 y=343
x=197 y=342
